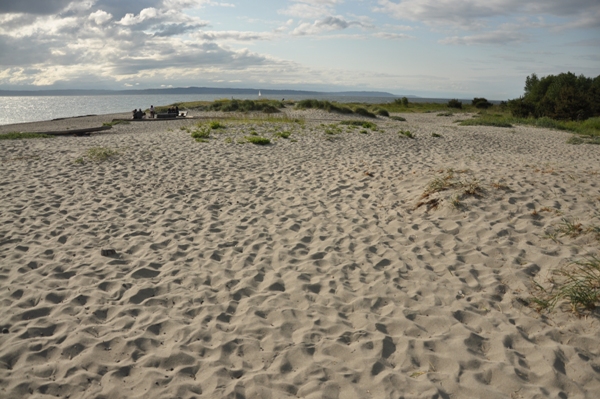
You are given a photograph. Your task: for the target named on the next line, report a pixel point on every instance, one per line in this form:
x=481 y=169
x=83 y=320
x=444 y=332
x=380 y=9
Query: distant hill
x=196 y=90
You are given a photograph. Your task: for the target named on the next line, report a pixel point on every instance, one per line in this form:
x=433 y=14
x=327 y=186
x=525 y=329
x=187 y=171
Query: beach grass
x=578 y=283
x=24 y=136
x=258 y=140
x=98 y=154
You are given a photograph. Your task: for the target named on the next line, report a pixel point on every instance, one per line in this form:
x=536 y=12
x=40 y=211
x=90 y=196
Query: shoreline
x=321 y=265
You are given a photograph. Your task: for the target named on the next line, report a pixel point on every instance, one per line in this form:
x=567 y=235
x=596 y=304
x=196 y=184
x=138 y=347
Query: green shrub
x=216 y=125
x=401 y=101
x=283 y=135
x=435 y=135
x=258 y=140
x=406 y=133
x=365 y=124
x=445 y=114
x=398 y=118
x=364 y=112
x=383 y=112
x=454 y=103
x=481 y=103
x=202 y=132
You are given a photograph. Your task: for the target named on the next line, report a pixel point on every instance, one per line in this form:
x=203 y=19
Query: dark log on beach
x=76 y=132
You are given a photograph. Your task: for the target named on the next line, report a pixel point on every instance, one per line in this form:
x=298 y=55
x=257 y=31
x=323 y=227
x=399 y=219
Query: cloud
x=327 y=24
x=508 y=34
x=234 y=36
x=311 y=9
x=45 y=7
x=100 y=17
x=392 y=36
x=470 y=14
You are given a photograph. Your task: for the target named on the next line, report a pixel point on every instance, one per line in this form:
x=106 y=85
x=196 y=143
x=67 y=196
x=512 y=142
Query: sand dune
x=306 y=268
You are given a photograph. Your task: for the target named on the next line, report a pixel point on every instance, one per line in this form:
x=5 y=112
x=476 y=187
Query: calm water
x=42 y=108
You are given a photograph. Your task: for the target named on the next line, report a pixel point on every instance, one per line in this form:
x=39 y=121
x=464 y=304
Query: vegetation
x=481 y=103
x=578 y=283
x=454 y=103
x=406 y=133
x=365 y=124
x=364 y=112
x=398 y=118
x=562 y=97
x=324 y=105
x=22 y=136
x=383 y=112
x=485 y=122
x=283 y=135
x=97 y=154
x=258 y=140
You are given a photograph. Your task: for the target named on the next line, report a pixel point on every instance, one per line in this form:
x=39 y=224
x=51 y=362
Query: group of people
x=139 y=114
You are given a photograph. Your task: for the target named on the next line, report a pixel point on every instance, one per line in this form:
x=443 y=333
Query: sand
x=303 y=269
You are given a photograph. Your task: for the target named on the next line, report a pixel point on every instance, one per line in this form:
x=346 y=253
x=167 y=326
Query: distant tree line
x=565 y=97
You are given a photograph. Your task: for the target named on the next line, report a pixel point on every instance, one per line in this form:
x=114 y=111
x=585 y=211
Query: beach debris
x=108 y=252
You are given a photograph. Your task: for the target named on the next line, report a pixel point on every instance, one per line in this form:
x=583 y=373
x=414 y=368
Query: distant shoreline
x=199 y=91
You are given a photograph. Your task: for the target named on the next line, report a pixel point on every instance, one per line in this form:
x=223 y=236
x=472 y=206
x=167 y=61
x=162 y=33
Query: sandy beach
x=320 y=266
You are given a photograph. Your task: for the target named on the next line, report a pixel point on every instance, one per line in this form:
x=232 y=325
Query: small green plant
x=22 y=136
x=216 y=125
x=447 y=113
x=79 y=161
x=229 y=140
x=578 y=283
x=258 y=140
x=435 y=135
x=571 y=228
x=283 y=135
x=201 y=133
x=364 y=131
x=100 y=154
x=332 y=129
x=406 y=133
x=383 y=112
x=364 y=124
x=398 y=118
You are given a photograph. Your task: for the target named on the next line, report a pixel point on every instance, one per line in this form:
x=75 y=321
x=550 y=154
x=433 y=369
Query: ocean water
x=20 y=109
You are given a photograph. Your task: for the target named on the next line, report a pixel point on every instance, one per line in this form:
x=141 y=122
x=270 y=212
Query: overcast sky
x=431 y=48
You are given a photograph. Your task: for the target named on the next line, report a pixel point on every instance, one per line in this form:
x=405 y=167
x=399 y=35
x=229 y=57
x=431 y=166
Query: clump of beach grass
x=283 y=135
x=406 y=133
x=24 y=136
x=398 y=118
x=201 y=134
x=578 y=283
x=364 y=112
x=97 y=154
x=258 y=140
x=363 y=124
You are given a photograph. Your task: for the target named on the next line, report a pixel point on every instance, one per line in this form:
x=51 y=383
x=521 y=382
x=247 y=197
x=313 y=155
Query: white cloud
x=100 y=17
x=327 y=24
x=311 y=9
x=472 y=14
x=498 y=37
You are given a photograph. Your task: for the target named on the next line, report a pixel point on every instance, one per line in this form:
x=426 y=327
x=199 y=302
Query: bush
x=401 y=101
x=454 y=103
x=364 y=112
x=383 y=112
x=481 y=103
x=398 y=118
x=258 y=140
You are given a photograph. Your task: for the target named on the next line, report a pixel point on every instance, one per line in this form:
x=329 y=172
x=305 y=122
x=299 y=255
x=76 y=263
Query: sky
x=428 y=48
